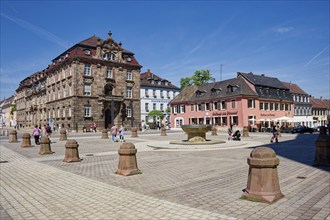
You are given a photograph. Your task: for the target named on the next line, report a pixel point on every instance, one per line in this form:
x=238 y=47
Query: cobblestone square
x=203 y=182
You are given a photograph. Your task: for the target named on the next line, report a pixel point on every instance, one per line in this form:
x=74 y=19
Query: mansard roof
x=148 y=77
x=294 y=88
x=215 y=91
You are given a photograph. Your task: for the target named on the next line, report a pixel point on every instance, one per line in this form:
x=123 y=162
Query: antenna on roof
x=220 y=72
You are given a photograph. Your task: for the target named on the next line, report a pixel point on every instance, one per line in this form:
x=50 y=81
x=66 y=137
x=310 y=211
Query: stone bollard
x=322 y=149
x=245 y=131
x=26 y=140
x=263 y=183
x=45 y=146
x=127 y=160
x=134 y=132
x=12 y=136
x=63 y=136
x=214 y=131
x=71 y=152
x=105 y=134
x=163 y=132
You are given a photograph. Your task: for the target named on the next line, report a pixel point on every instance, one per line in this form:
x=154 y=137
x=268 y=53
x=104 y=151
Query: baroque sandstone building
x=93 y=81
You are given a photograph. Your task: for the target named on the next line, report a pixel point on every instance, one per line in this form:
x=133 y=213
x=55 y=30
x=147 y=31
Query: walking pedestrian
x=48 y=131
x=275 y=131
x=36 y=134
x=121 y=134
x=230 y=132
x=114 y=133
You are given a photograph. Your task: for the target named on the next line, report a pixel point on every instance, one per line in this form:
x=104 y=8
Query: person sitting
x=237 y=135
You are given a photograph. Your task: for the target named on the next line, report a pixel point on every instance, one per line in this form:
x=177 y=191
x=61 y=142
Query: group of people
x=115 y=133
x=37 y=133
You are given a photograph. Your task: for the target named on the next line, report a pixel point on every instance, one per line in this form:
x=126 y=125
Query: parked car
x=302 y=129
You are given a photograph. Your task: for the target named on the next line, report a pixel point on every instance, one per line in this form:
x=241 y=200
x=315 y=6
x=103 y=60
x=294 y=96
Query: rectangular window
x=63 y=112
x=88 y=111
x=224 y=121
x=282 y=107
x=251 y=103
x=129 y=92
x=261 y=106
x=87 y=70
x=109 y=72
x=215 y=105
x=234 y=120
x=146 y=93
x=223 y=105
x=154 y=106
x=175 y=109
x=162 y=94
x=87 y=89
x=70 y=90
x=154 y=93
x=182 y=109
x=276 y=106
x=162 y=107
x=199 y=107
x=252 y=120
x=286 y=107
x=192 y=107
x=146 y=106
x=233 y=104
x=70 y=71
x=207 y=106
x=129 y=75
x=129 y=112
x=271 y=106
x=266 y=106
x=168 y=94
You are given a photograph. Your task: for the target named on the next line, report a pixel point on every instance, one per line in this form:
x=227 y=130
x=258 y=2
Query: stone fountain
x=196 y=135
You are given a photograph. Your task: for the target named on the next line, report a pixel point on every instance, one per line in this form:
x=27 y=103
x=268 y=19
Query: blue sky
x=286 y=39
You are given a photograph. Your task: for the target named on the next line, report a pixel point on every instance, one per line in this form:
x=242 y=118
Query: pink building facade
x=248 y=100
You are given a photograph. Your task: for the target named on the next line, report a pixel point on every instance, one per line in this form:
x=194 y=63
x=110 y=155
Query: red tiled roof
x=145 y=80
x=294 y=88
x=320 y=103
x=92 y=41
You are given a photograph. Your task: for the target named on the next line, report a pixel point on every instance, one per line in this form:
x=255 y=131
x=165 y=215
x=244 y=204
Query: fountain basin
x=196 y=133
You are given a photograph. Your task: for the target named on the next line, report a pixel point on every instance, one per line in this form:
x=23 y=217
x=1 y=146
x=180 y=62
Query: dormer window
x=215 y=91
x=231 y=88
x=87 y=52
x=128 y=59
x=109 y=56
x=200 y=93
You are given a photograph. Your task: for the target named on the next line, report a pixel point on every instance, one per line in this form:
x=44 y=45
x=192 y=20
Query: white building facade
x=156 y=94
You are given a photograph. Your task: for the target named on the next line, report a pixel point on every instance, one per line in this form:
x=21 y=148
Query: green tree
x=156 y=113
x=185 y=82
x=200 y=77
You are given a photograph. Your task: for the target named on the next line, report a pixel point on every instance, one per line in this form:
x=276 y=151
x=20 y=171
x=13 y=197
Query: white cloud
x=37 y=30
x=283 y=30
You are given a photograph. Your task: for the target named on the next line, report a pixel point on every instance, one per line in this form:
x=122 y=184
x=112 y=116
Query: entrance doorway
x=108 y=121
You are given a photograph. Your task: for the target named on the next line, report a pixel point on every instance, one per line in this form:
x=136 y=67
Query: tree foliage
x=156 y=113
x=200 y=77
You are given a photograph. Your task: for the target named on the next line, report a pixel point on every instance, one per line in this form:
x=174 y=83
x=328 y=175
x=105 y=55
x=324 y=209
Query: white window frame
x=129 y=75
x=87 y=70
x=109 y=72
x=87 y=89
x=128 y=112
x=129 y=93
x=88 y=111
